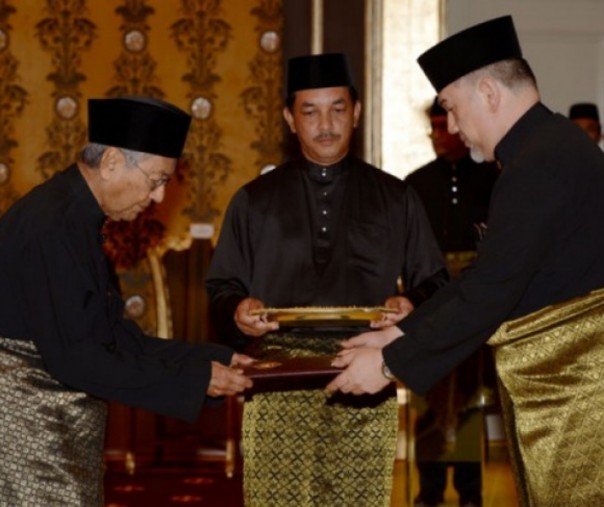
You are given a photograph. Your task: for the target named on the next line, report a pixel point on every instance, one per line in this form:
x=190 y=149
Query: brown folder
x=290 y=374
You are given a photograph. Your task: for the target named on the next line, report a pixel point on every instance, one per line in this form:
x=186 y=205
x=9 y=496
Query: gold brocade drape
x=551 y=370
x=51 y=436
x=304 y=449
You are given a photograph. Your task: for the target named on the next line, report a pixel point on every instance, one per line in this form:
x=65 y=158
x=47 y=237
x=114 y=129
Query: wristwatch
x=387 y=373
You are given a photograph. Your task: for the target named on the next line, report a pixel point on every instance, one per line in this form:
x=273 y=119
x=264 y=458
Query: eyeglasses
x=155 y=183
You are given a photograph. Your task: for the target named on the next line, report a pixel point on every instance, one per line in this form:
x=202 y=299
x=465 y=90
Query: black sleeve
x=229 y=274
x=424 y=291
x=76 y=322
x=464 y=314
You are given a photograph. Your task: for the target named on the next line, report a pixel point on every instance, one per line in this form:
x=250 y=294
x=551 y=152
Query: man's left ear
x=110 y=162
x=491 y=92
x=289 y=118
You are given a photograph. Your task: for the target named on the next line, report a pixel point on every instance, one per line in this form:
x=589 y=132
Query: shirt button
x=454 y=200
x=324 y=212
x=453 y=189
x=323 y=229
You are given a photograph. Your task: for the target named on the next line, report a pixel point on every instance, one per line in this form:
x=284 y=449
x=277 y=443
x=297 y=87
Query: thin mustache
x=328 y=135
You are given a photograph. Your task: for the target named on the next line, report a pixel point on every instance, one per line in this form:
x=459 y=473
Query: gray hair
x=514 y=73
x=92 y=153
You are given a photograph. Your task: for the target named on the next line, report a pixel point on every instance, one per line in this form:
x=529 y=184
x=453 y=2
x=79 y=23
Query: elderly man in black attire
x=64 y=344
x=455 y=192
x=535 y=290
x=323 y=229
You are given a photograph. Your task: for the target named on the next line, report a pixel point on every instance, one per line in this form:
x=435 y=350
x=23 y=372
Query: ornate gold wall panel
x=260 y=98
x=135 y=66
x=13 y=98
x=65 y=33
x=203 y=35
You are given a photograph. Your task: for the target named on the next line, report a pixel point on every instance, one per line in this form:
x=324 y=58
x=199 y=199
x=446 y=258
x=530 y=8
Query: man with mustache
x=323 y=229
x=587 y=117
x=64 y=343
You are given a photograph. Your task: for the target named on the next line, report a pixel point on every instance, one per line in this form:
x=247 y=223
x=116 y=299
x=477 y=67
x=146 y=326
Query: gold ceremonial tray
x=317 y=316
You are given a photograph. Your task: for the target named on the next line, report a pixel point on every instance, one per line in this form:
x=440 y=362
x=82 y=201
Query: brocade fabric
x=51 y=443
x=305 y=449
x=551 y=369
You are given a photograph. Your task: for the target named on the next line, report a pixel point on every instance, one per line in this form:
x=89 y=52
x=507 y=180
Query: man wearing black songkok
x=535 y=291
x=323 y=229
x=64 y=344
x=586 y=116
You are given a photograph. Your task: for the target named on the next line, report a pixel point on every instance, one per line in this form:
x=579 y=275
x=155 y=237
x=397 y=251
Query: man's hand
x=363 y=373
x=241 y=360
x=403 y=308
x=253 y=325
x=226 y=381
x=373 y=339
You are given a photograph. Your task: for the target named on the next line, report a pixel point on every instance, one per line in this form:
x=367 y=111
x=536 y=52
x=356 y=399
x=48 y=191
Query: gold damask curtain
x=551 y=370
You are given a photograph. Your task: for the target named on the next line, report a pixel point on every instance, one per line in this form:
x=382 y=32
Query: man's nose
x=158 y=194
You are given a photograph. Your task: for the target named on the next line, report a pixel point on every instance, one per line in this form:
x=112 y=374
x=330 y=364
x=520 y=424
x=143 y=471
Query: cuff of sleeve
x=217 y=352
x=401 y=358
x=415 y=298
x=226 y=329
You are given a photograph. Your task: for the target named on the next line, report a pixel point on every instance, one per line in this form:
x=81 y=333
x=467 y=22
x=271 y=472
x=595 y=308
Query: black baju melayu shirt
x=456 y=198
x=544 y=245
x=55 y=291
x=305 y=235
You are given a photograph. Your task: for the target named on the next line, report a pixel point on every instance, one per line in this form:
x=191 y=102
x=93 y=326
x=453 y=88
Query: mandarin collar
x=91 y=210
x=507 y=148
x=325 y=173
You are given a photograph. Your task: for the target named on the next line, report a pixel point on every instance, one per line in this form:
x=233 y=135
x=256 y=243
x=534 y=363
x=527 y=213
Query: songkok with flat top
x=469 y=50
x=584 y=110
x=140 y=124
x=318 y=71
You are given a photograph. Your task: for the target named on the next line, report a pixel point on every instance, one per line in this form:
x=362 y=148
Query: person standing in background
x=455 y=192
x=322 y=229
x=586 y=116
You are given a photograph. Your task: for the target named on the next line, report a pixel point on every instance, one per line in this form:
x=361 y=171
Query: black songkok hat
x=318 y=71
x=584 y=110
x=469 y=50
x=138 y=123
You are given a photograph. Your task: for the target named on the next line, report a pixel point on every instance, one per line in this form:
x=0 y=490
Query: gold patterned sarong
x=303 y=449
x=551 y=371
x=51 y=438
